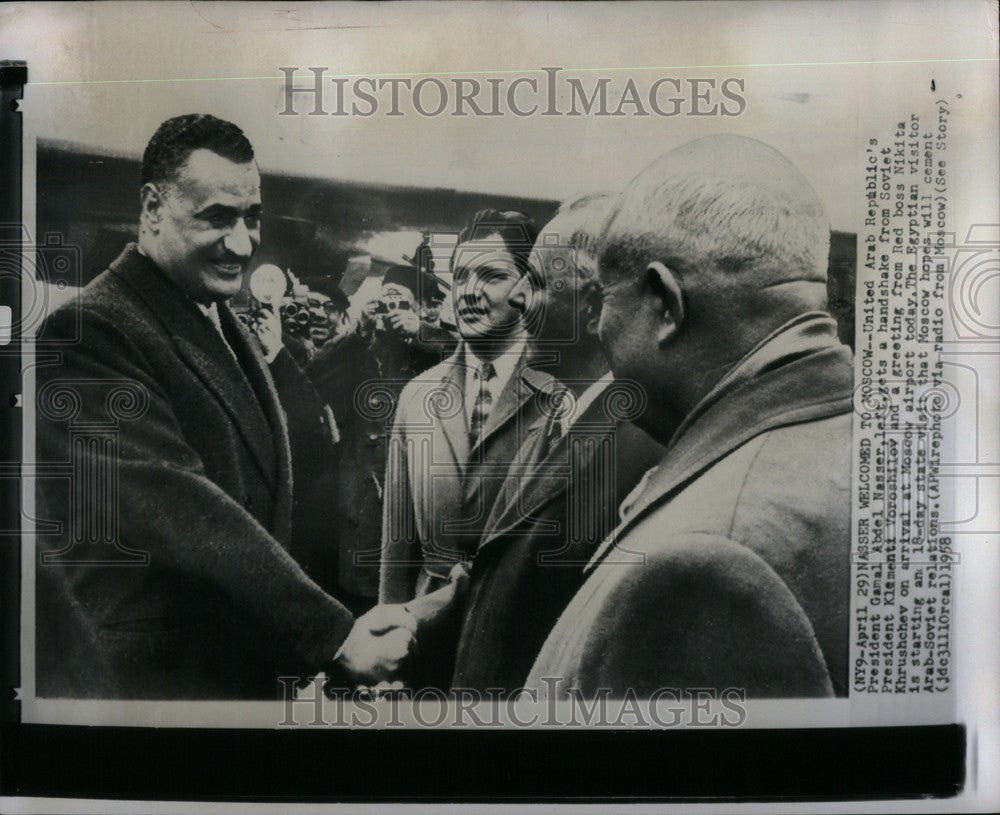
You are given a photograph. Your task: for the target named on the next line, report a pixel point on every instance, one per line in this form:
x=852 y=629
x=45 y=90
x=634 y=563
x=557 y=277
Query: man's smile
x=228 y=268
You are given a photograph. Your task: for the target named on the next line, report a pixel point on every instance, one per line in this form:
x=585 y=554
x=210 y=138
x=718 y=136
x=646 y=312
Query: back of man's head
x=177 y=138
x=578 y=223
x=561 y=297
x=727 y=214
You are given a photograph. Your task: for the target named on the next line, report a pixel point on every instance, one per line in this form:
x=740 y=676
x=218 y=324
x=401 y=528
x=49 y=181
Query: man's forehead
x=488 y=252
x=207 y=175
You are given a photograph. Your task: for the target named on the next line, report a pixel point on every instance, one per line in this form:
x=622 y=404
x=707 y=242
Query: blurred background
x=346 y=231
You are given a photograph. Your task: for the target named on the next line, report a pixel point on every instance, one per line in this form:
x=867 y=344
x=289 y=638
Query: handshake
x=378 y=646
x=382 y=641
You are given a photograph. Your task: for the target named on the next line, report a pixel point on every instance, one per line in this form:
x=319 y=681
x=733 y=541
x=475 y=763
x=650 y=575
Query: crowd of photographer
x=349 y=375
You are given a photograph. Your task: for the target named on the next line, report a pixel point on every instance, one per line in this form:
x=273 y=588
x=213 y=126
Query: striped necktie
x=556 y=426
x=484 y=401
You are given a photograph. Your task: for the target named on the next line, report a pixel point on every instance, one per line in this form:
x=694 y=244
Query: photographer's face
x=393 y=297
x=430 y=311
x=484 y=275
x=319 y=320
x=203 y=229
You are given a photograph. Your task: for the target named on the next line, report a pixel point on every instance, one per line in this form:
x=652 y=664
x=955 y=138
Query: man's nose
x=241 y=241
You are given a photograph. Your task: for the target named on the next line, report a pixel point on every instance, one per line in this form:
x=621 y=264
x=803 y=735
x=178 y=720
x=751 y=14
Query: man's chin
x=486 y=332
x=222 y=288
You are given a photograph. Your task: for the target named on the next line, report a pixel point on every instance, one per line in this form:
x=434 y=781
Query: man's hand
x=268 y=327
x=368 y=319
x=404 y=323
x=377 y=645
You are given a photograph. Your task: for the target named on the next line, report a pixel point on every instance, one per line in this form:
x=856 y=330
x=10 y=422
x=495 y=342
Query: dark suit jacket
x=314 y=456
x=732 y=568
x=554 y=509
x=215 y=607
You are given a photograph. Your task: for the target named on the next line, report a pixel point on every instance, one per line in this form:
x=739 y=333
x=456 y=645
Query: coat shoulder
x=802 y=468
x=699 y=610
x=794 y=512
x=432 y=384
x=104 y=305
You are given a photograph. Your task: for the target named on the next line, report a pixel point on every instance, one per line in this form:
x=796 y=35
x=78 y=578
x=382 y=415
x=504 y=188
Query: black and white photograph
x=512 y=368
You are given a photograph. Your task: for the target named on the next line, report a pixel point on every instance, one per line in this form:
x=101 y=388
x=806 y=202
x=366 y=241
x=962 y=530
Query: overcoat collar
x=244 y=388
x=811 y=378
x=547 y=479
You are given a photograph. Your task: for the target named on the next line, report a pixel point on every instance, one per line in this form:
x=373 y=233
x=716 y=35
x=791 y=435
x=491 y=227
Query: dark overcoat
x=166 y=573
x=558 y=503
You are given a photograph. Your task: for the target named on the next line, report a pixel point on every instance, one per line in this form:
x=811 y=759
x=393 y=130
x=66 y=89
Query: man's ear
x=666 y=287
x=592 y=304
x=152 y=205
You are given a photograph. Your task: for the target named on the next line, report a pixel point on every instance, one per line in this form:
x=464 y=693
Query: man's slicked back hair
x=177 y=138
x=517 y=230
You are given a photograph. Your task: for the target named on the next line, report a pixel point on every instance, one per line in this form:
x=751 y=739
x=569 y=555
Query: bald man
x=731 y=562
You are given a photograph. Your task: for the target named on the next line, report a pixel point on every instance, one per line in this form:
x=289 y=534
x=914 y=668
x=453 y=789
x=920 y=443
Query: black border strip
x=13 y=77
x=576 y=766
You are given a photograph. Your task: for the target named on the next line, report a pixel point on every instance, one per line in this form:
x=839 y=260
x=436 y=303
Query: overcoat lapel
x=204 y=351
x=448 y=409
x=523 y=385
x=524 y=497
x=259 y=376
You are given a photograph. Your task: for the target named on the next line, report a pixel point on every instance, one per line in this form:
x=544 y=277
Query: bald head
x=706 y=253
x=722 y=209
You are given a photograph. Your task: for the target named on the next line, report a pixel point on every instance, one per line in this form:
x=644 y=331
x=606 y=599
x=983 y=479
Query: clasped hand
x=378 y=645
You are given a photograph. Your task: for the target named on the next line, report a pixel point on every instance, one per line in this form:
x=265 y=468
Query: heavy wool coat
x=213 y=605
x=731 y=569
x=440 y=489
x=556 y=506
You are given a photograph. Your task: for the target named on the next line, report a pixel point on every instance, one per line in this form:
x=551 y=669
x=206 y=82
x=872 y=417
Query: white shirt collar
x=584 y=401
x=505 y=365
x=212 y=312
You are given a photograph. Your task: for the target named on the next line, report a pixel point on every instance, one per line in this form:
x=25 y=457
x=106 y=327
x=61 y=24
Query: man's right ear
x=152 y=205
x=666 y=287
